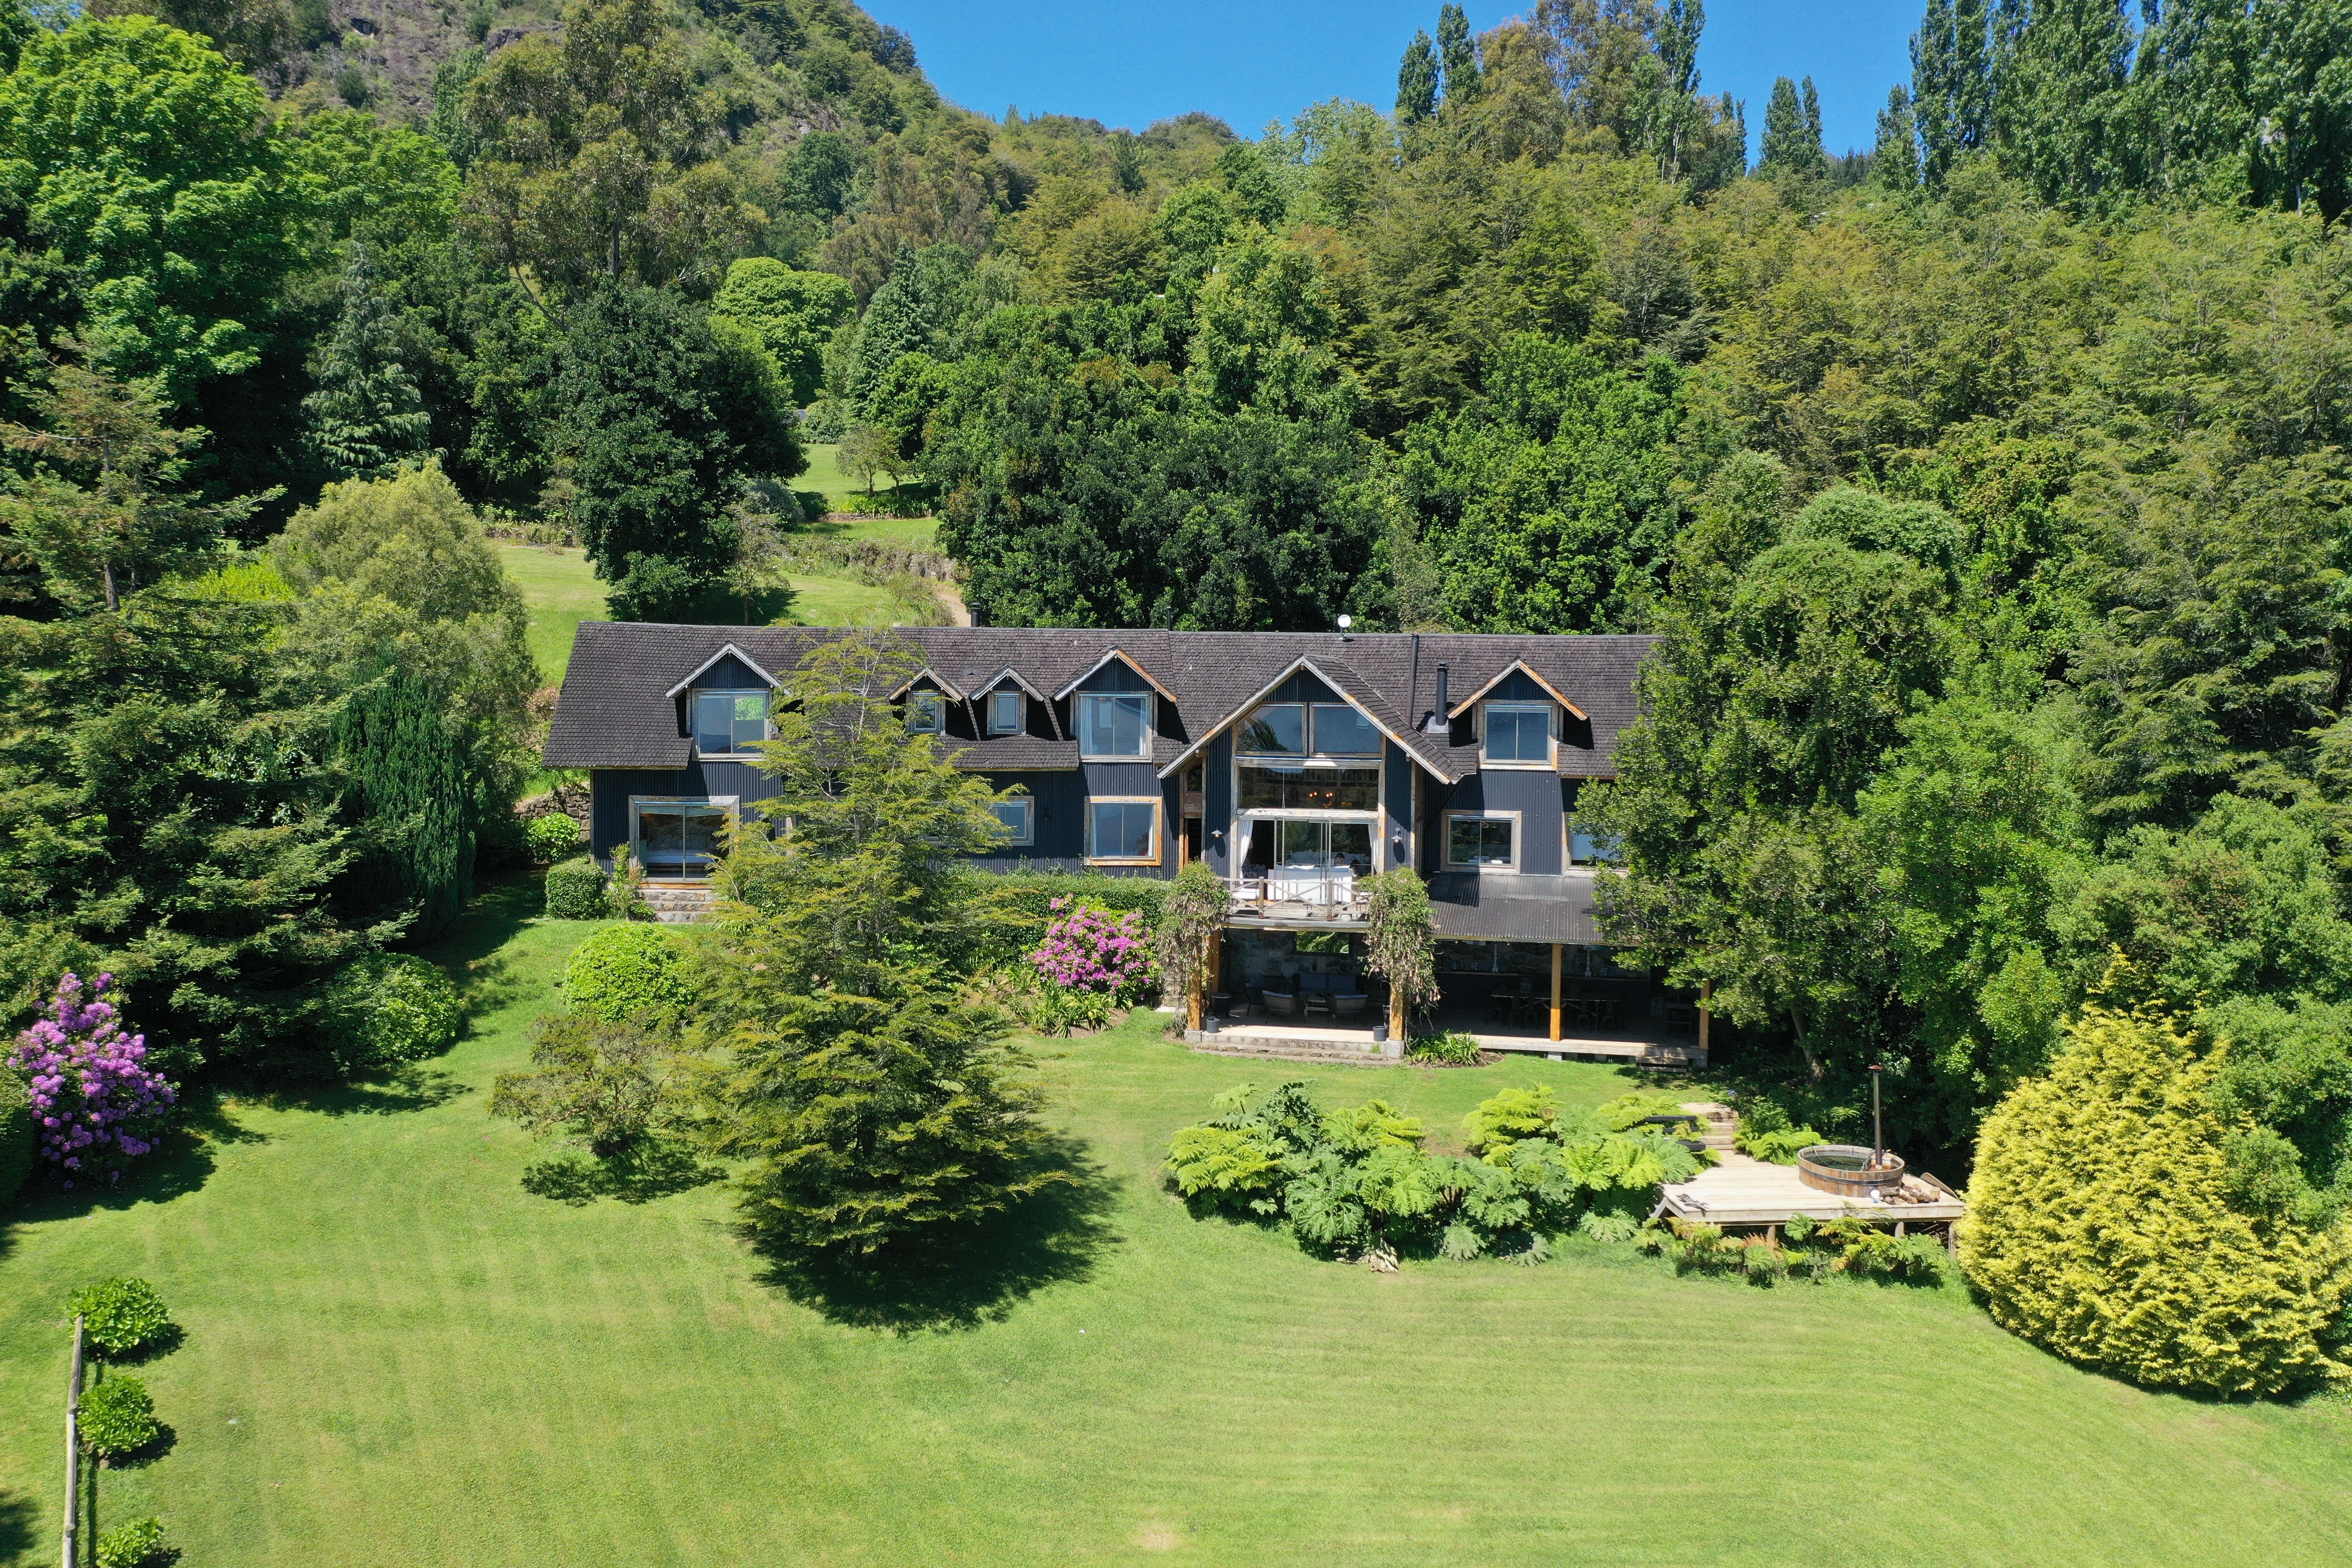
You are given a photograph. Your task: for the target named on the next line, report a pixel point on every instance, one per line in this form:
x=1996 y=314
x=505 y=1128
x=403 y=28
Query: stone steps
x=1287 y=1051
x=680 y=903
x=1719 y=1124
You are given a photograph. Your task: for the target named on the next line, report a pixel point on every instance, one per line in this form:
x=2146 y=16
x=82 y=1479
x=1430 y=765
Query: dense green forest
x=1986 y=485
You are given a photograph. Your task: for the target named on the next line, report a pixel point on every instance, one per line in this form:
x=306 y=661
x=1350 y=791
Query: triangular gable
x=1522 y=667
x=1115 y=654
x=1263 y=693
x=731 y=650
x=946 y=686
x=1014 y=676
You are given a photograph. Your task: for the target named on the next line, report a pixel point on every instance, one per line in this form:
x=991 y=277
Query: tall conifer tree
x=1459 y=53
x=1417 y=81
x=1895 y=163
x=367 y=417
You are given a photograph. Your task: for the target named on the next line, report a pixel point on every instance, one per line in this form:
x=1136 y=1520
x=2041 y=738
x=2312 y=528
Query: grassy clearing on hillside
x=561 y=591
x=395 y=1356
x=843 y=493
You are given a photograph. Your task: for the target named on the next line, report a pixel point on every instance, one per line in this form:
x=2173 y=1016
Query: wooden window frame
x=1158 y=829
x=1518 y=842
x=1028 y=834
x=1550 y=760
x=1020 y=711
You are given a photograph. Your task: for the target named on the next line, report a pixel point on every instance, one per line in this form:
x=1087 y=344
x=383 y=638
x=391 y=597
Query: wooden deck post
x=1705 y=1015
x=1555 y=991
x=73 y=1443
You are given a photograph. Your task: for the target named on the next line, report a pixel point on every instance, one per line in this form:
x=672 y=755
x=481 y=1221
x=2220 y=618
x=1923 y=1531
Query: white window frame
x=1020 y=700
x=1078 y=717
x=1518 y=841
x=1158 y=829
x=1028 y=804
x=767 y=721
x=1550 y=711
x=923 y=698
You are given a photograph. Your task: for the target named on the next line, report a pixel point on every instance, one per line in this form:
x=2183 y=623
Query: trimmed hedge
x=629 y=973
x=123 y=1317
x=2102 y=1227
x=575 y=890
x=19 y=1140
x=118 y=1417
x=552 y=837
x=390 y=1008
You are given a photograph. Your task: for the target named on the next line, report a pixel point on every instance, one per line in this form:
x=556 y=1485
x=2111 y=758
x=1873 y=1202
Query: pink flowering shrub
x=1091 y=948
x=95 y=1101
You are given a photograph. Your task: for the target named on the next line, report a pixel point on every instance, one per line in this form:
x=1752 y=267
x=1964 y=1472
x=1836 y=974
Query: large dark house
x=1294 y=764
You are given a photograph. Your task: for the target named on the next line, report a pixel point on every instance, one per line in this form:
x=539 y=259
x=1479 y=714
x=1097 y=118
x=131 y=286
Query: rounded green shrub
x=133 y=1543
x=575 y=890
x=551 y=837
x=20 y=1142
x=2101 y=1224
x=390 y=1008
x=628 y=973
x=117 y=1417
x=121 y=1317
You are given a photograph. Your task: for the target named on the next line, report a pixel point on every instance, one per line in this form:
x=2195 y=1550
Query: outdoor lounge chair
x=1349 y=1005
x=1280 y=1004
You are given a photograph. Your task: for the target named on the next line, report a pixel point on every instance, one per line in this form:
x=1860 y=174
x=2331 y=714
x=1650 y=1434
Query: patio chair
x=1280 y=1004
x=1349 y=1005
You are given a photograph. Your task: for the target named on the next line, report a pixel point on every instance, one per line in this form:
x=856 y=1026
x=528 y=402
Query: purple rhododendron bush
x=1087 y=948
x=95 y=1101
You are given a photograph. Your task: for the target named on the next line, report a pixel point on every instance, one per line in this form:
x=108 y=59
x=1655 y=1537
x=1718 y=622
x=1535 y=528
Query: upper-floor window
x=1518 y=732
x=1114 y=724
x=1304 y=788
x=926 y=714
x=729 y=724
x=1004 y=713
x=1303 y=729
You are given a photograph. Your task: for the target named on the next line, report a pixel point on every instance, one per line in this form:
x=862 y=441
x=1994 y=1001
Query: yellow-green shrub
x=2100 y=1227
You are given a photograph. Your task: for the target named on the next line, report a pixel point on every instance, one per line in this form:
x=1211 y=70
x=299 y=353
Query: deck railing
x=1330 y=891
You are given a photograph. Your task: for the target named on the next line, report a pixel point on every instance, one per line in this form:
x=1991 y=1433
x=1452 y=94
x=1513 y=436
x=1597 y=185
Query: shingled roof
x=614 y=711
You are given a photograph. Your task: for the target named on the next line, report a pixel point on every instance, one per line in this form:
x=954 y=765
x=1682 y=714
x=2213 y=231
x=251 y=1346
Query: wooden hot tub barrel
x=1837 y=1168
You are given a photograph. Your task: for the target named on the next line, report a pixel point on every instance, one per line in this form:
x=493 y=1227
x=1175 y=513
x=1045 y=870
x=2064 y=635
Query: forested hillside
x=1986 y=485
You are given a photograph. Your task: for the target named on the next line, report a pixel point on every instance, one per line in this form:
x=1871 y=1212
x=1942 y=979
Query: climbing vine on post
x=1404 y=944
x=1186 y=939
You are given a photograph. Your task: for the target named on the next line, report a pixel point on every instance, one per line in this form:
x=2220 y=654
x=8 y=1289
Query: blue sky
x=1129 y=64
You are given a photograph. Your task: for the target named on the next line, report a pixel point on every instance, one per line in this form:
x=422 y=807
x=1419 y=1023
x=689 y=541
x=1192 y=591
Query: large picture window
x=675 y=838
x=1518 y=732
x=1123 y=830
x=1114 y=724
x=1019 y=815
x=729 y=723
x=1304 y=788
x=1299 y=730
x=1482 y=840
x=1291 y=843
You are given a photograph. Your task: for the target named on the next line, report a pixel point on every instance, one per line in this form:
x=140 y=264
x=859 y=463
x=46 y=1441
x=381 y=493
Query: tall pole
x=1877 y=1129
x=73 y=1442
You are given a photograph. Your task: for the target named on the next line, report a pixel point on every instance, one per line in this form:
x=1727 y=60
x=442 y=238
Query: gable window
x=1482 y=840
x=926 y=714
x=1124 y=830
x=1518 y=732
x=1303 y=788
x=1114 y=724
x=1341 y=732
x=1004 y=713
x=1019 y=815
x=729 y=724
x=1276 y=730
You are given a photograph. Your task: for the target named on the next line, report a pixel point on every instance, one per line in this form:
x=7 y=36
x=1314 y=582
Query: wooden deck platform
x=1745 y=1191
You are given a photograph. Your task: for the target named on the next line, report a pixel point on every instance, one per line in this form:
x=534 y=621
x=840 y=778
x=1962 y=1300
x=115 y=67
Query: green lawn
x=559 y=591
x=843 y=493
x=395 y=1356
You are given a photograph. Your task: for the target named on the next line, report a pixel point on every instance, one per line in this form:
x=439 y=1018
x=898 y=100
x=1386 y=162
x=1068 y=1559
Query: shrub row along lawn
x=396 y=1356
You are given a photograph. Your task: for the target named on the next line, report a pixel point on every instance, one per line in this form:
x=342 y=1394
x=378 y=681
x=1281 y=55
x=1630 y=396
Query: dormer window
x=1114 y=724
x=1517 y=733
x=1007 y=714
x=729 y=724
x=926 y=714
